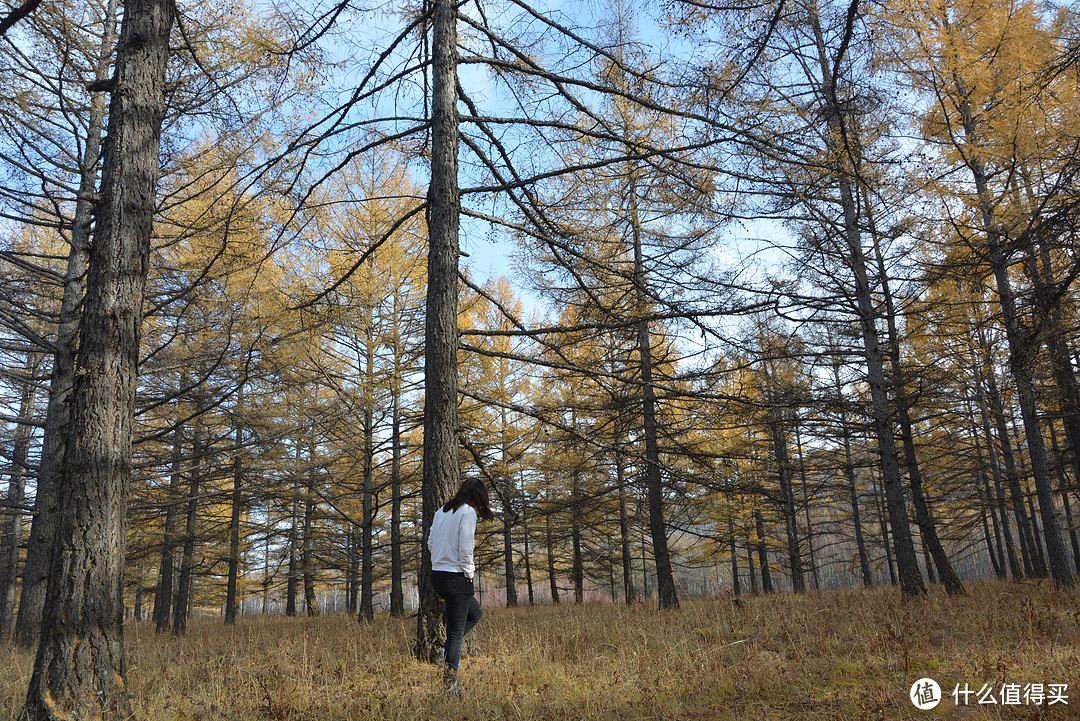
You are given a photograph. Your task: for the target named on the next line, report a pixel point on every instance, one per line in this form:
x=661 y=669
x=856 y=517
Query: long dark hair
x=475 y=493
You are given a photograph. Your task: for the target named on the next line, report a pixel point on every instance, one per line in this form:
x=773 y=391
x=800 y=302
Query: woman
x=451 y=542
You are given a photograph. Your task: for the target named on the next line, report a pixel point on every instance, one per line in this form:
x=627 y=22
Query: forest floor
x=845 y=654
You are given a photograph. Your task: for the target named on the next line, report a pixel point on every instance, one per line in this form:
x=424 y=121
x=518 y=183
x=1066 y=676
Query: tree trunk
x=787 y=493
x=62 y=380
x=163 y=597
x=995 y=470
x=846 y=170
x=80 y=668
x=366 y=363
x=307 y=553
x=806 y=509
x=629 y=595
x=525 y=544
x=234 y=536
x=508 y=562
x=665 y=580
x=397 y=594
x=882 y=513
x=997 y=552
x=734 y=557
x=294 y=538
x=11 y=538
x=763 y=555
x=577 y=568
x=923 y=515
x=1012 y=476
x=1023 y=349
x=441 y=472
x=182 y=604
x=750 y=565
x=852 y=488
x=509 y=514
x=553 y=581
x=1064 y=491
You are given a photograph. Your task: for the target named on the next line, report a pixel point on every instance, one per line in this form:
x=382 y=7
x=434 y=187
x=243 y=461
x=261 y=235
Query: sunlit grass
x=835 y=655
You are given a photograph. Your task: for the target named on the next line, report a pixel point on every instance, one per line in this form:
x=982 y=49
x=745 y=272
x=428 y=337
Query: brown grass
x=838 y=655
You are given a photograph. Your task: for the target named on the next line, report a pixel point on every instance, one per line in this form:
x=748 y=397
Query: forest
x=719 y=299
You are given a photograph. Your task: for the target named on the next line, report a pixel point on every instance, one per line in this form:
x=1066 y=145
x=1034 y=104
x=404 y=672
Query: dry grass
x=836 y=655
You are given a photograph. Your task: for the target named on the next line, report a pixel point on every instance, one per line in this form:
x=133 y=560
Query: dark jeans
x=462 y=611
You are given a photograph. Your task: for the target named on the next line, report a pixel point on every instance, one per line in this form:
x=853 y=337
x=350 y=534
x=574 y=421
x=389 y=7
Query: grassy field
x=836 y=655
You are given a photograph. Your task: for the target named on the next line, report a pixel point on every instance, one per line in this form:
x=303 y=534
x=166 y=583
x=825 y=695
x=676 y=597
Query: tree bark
x=907 y=563
x=787 y=493
x=665 y=580
x=923 y=515
x=1023 y=348
x=182 y=603
x=806 y=508
x=552 y=579
x=11 y=538
x=734 y=557
x=367 y=529
x=577 y=567
x=307 y=552
x=80 y=668
x=763 y=554
x=441 y=472
x=234 y=535
x=397 y=594
x=629 y=595
x=62 y=380
x=163 y=597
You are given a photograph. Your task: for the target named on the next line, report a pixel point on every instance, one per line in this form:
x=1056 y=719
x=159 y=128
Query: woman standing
x=451 y=542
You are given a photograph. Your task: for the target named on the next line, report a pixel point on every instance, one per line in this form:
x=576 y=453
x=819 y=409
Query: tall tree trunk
x=763 y=554
x=883 y=514
x=509 y=514
x=183 y=601
x=307 y=552
x=397 y=593
x=552 y=579
x=847 y=175
x=993 y=543
x=923 y=514
x=577 y=568
x=234 y=535
x=806 y=509
x=11 y=538
x=1064 y=491
x=525 y=544
x=629 y=595
x=995 y=470
x=294 y=538
x=508 y=562
x=665 y=580
x=787 y=493
x=62 y=379
x=1012 y=475
x=441 y=470
x=366 y=363
x=163 y=596
x=750 y=564
x=734 y=557
x=84 y=603
x=853 y=490
x=1023 y=347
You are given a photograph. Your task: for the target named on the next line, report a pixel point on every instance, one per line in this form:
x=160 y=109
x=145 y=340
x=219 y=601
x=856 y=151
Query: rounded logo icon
x=925 y=694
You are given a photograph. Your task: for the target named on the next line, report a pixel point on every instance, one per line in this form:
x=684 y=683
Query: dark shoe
x=440 y=656
x=452 y=688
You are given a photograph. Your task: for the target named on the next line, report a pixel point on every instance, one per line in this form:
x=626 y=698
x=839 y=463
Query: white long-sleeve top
x=452 y=540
